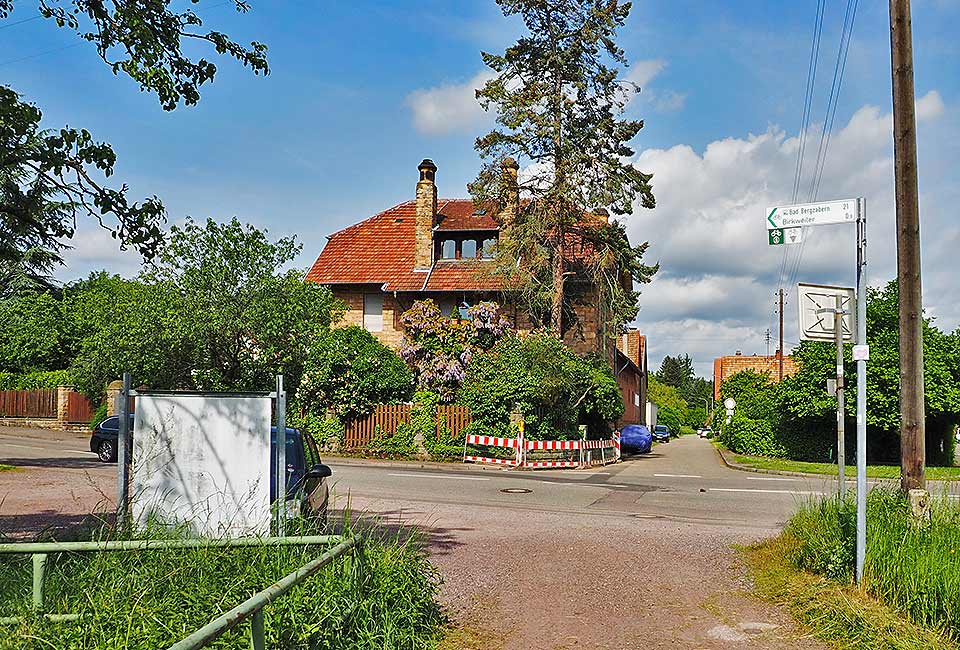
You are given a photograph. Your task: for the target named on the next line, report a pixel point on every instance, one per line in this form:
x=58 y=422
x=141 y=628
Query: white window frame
x=373 y=312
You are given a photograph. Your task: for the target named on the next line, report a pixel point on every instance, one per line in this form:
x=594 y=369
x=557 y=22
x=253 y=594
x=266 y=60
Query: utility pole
x=781 y=335
x=912 y=424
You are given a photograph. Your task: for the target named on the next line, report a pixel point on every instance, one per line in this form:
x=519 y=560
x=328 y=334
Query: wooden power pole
x=781 y=335
x=912 y=424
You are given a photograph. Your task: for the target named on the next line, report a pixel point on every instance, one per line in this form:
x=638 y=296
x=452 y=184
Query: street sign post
x=781 y=218
x=812 y=214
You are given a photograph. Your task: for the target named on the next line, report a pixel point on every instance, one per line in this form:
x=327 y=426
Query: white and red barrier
x=493 y=441
x=609 y=451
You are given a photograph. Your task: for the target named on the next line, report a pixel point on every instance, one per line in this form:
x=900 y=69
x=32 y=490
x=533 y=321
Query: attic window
x=398 y=220
x=479 y=213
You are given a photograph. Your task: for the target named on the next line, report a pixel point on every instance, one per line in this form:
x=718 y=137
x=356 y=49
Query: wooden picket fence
x=28 y=403
x=454 y=417
x=387 y=417
x=79 y=408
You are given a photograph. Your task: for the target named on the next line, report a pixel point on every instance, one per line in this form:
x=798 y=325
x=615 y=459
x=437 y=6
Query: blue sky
x=360 y=92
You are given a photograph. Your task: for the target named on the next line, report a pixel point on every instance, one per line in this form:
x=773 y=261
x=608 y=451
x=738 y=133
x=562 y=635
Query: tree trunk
x=556 y=310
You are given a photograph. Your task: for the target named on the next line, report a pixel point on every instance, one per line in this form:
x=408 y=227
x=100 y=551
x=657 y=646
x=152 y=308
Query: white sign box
x=816 y=311
x=203 y=460
x=812 y=214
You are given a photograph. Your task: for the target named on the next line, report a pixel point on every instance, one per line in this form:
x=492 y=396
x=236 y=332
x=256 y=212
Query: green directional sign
x=775 y=236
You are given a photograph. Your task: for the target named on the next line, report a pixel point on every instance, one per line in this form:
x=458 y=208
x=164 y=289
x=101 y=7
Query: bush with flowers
x=439 y=348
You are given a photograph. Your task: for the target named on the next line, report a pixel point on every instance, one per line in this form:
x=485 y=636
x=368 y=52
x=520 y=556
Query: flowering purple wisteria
x=439 y=348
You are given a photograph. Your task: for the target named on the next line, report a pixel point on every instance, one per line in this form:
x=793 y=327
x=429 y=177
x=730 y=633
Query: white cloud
x=449 y=108
x=92 y=249
x=715 y=292
x=642 y=74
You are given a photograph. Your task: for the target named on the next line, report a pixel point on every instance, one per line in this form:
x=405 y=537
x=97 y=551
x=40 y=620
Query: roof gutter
x=426 y=280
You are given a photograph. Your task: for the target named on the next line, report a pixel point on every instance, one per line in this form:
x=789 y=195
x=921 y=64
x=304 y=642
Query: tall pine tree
x=559 y=99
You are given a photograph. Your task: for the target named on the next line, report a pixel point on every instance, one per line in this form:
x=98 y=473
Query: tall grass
x=914 y=568
x=382 y=596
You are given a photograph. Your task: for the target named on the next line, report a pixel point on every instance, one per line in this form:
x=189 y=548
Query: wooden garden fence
x=385 y=418
x=28 y=403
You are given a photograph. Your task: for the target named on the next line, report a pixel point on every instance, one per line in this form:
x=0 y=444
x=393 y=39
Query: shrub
x=349 y=371
x=398 y=445
x=98 y=416
x=35 y=380
x=753 y=437
x=538 y=376
x=439 y=348
x=327 y=432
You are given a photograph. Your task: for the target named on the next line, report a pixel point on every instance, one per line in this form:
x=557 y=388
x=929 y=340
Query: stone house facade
x=443 y=249
x=724 y=367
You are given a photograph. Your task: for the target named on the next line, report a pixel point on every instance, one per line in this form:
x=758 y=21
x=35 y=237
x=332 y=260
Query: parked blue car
x=635 y=439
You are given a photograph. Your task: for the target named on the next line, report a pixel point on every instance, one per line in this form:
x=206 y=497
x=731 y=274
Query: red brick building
x=724 y=367
x=437 y=248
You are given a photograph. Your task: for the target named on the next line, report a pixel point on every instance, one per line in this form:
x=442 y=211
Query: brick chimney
x=631 y=343
x=426 y=214
x=511 y=192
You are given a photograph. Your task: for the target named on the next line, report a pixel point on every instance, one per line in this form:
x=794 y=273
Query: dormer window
x=489 y=249
x=468 y=249
x=448 y=249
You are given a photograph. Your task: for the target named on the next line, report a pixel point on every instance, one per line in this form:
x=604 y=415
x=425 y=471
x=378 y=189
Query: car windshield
x=660 y=427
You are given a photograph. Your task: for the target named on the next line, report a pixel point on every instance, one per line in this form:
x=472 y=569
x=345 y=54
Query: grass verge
x=383 y=596
x=7 y=468
x=873 y=471
x=841 y=615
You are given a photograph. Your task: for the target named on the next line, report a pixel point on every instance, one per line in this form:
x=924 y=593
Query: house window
x=448 y=249
x=447 y=307
x=468 y=249
x=373 y=312
x=489 y=248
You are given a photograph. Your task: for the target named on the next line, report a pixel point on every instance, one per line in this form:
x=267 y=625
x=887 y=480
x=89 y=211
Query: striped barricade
x=552 y=445
x=608 y=452
x=493 y=441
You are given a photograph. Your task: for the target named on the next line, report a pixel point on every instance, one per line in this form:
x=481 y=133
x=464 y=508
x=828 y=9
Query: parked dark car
x=307 y=491
x=635 y=439
x=103 y=441
x=661 y=433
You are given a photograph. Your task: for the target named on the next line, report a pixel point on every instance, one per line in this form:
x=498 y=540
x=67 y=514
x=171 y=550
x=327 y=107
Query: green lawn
x=873 y=471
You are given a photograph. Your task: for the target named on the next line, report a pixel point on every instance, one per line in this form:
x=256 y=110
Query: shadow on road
x=59 y=462
x=50 y=525
x=397 y=524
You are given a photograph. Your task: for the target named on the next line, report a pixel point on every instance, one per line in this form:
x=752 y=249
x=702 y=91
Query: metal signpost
x=783 y=218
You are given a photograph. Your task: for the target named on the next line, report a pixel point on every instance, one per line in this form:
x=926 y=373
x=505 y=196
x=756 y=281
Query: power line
x=20 y=22
x=812 y=65
x=846 y=35
x=44 y=53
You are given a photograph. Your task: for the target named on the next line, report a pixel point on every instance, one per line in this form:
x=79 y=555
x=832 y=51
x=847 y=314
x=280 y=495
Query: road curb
x=732 y=464
x=409 y=464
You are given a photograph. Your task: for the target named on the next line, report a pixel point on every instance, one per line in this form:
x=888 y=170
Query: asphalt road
x=632 y=555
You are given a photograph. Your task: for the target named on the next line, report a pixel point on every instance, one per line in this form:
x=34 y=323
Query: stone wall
x=352 y=297
x=725 y=367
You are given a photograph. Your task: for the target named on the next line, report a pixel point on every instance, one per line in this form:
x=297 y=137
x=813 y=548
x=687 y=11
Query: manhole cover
x=516 y=490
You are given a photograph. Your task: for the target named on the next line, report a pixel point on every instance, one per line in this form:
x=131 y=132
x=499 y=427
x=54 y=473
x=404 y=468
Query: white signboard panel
x=812 y=214
x=816 y=311
x=204 y=460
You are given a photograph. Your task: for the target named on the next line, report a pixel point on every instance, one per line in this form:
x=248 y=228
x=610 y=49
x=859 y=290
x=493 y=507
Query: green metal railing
x=251 y=608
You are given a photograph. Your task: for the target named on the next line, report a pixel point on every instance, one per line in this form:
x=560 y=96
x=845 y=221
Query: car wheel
x=106 y=452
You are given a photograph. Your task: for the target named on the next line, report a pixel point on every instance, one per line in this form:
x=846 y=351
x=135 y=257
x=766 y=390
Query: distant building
x=724 y=367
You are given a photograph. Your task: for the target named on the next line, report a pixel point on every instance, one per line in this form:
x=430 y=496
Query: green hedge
x=36 y=380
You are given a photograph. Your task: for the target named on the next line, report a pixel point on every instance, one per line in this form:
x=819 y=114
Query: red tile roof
x=380 y=250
